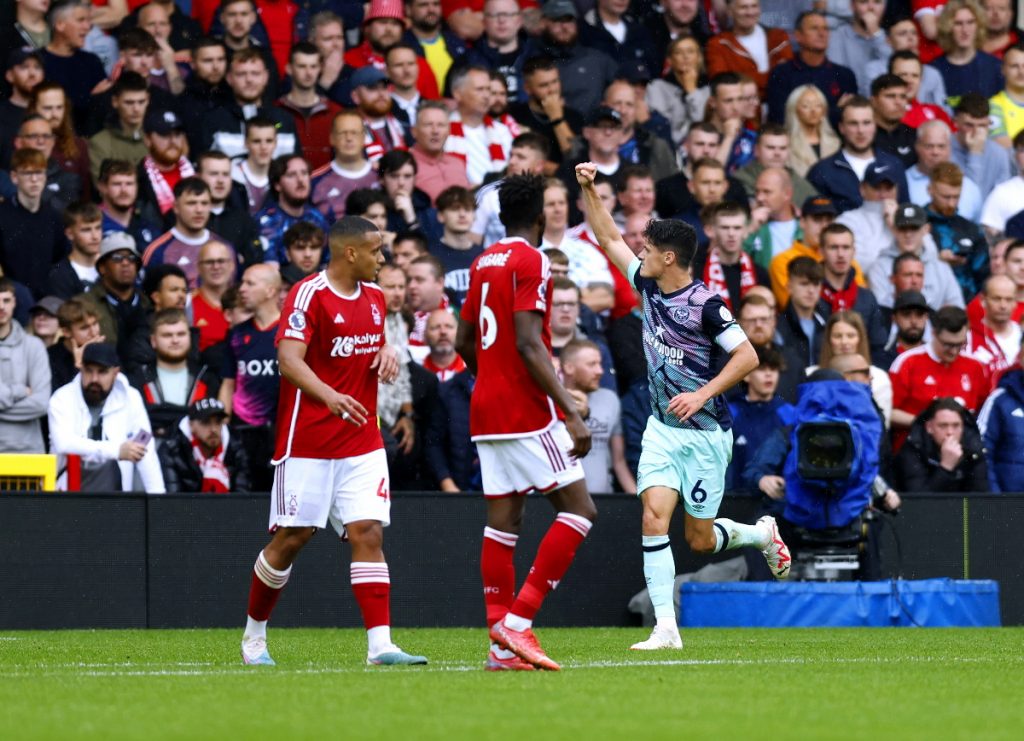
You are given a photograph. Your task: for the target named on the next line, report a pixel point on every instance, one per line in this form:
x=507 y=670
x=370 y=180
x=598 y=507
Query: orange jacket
x=726 y=54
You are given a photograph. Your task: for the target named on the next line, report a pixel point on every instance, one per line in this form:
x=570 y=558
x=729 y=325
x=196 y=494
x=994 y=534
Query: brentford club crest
x=376 y=314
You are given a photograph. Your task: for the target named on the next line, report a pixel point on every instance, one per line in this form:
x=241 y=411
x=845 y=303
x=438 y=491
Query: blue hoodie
x=1001 y=422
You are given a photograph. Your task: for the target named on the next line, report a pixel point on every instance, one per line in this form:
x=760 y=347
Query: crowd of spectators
x=854 y=171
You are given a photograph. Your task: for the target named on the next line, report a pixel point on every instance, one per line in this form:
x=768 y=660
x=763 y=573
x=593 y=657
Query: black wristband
x=558 y=121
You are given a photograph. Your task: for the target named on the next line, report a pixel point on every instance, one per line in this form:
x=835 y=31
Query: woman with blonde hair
x=681 y=94
x=811 y=136
x=70 y=151
x=845 y=333
x=963 y=66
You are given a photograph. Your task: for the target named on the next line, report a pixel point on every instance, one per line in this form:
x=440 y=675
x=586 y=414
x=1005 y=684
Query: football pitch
x=725 y=684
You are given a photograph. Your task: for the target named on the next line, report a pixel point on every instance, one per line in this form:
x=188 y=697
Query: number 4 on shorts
x=382 y=490
x=697 y=494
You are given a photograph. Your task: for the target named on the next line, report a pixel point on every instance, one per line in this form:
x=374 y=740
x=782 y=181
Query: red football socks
x=267 y=583
x=371 y=584
x=554 y=556
x=498 y=572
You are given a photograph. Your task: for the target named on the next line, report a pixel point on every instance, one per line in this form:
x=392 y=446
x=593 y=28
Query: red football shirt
x=343 y=335
x=510 y=276
x=209 y=320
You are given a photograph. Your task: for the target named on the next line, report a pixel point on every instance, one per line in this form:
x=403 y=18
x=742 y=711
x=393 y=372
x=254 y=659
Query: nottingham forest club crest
x=375 y=312
x=297 y=320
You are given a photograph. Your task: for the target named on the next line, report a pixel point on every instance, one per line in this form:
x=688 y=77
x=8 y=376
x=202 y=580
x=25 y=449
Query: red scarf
x=456 y=142
x=216 y=478
x=841 y=300
x=164 y=190
x=375 y=146
x=714 y=276
x=443 y=374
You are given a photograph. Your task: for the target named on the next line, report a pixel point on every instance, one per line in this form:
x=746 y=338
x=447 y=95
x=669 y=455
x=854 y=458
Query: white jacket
x=123 y=414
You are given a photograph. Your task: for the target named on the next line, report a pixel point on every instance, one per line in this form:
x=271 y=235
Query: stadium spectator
x=972 y=150
x=43 y=320
x=424 y=293
x=312 y=113
x=164 y=167
x=383 y=27
x=501 y=45
x=585 y=262
x=227 y=220
x=202 y=455
x=142 y=54
x=395 y=400
x=528 y=155
x=79 y=326
x=216 y=264
x=290 y=183
x=449 y=451
x=811 y=136
x=759 y=321
x=757 y=412
x=224 y=127
x=639 y=145
x=1001 y=422
x=427 y=32
x=442 y=360
x=242 y=30
x=839 y=288
x=249 y=388
x=889 y=103
x=122 y=137
x=24 y=381
x=251 y=174
x=384 y=131
x=23 y=70
x=933 y=147
x=166 y=287
x=681 y=94
x=729 y=270
x=846 y=334
x=999 y=34
x=809 y=66
x=83 y=228
x=909 y=324
x=474 y=137
x=608 y=27
x=1004 y=107
x=634 y=194
x=816 y=214
x=205 y=87
x=180 y=30
x=960 y=241
x=860 y=40
x=581 y=365
x=25 y=220
x=99 y=429
x=908 y=67
x=409 y=207
x=995 y=341
x=66 y=147
x=1005 y=199
x=938 y=368
x=565 y=327
x=748 y=48
x=944 y=453
x=436 y=169
x=772 y=150
x=871 y=222
x=118 y=186
x=66 y=63
x=305 y=245
x=374 y=205
x=902 y=36
x=672 y=194
x=456 y=249
x=965 y=69
x=180 y=245
x=544 y=110
x=725 y=111
x=912 y=236
x=62 y=187
x=840 y=175
x=708 y=186
x=802 y=322
x=403 y=73
x=773 y=219
x=327 y=33
x=349 y=170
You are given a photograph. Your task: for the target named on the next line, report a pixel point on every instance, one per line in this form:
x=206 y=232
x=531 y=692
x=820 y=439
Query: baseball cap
x=162 y=122
x=555 y=9
x=49 y=304
x=19 y=55
x=100 y=353
x=385 y=9
x=910 y=300
x=819 y=205
x=877 y=173
x=602 y=113
x=909 y=214
x=367 y=76
x=634 y=72
x=116 y=241
x=206 y=408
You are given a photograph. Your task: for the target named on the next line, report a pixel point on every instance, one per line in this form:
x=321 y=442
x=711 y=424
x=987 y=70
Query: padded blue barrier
x=932 y=603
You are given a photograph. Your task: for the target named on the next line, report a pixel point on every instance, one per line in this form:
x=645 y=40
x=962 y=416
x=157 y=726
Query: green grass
x=726 y=684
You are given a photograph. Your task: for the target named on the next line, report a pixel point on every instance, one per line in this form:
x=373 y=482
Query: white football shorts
x=310 y=491
x=516 y=466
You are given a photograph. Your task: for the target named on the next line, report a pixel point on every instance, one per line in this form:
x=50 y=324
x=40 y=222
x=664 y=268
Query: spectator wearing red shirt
x=907 y=66
x=313 y=113
x=999 y=35
x=383 y=27
x=216 y=275
x=995 y=341
x=939 y=368
x=1013 y=259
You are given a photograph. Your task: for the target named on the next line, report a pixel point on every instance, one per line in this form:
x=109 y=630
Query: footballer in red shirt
x=516 y=419
x=329 y=456
x=936 y=369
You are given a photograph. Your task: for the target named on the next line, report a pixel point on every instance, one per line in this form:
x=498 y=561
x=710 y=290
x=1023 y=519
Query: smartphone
x=142 y=437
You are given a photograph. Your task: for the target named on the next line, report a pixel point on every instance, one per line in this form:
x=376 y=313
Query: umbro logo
x=183 y=260
x=741 y=440
x=1018 y=412
x=333 y=193
x=339 y=319
x=929 y=381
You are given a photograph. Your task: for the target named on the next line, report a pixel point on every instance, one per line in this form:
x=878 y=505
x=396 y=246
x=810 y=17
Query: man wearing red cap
x=383 y=27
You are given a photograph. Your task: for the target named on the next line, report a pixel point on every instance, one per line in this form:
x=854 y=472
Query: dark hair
x=885 y=82
x=86 y=212
x=453 y=197
x=854 y=101
x=1016 y=244
x=521 y=201
x=771 y=129
x=211 y=154
x=129 y=82
x=400 y=45
x=137 y=39
x=834 y=228
x=259 y=122
x=279 y=166
x=705 y=127
x=769 y=357
x=110 y=167
x=204 y=42
x=902 y=55
x=348 y=228
x=724 y=208
x=394 y=161
x=724 y=78
x=359 y=201
x=556 y=256
x=709 y=162
x=538 y=63
x=972 y=104
x=303 y=47
x=6 y=285
x=1018 y=140
x=248 y=54
x=193 y=186
x=230 y=299
x=565 y=284
x=303 y=232
x=631 y=172
x=949 y=319
x=532 y=140
x=945 y=404
x=168 y=316
x=436 y=266
x=807 y=268
x=902 y=258
x=412 y=235
x=155 y=275
x=675 y=236
x=799 y=22
x=73 y=311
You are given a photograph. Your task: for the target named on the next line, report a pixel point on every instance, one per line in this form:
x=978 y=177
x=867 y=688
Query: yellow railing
x=28 y=472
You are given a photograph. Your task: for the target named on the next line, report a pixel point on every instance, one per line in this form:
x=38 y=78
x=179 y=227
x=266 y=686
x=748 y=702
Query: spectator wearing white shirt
x=475 y=137
x=1006 y=199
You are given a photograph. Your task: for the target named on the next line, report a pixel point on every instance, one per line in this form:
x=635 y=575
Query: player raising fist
x=330 y=462
x=528 y=432
x=688 y=441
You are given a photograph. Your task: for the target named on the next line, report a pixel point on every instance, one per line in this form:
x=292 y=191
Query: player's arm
x=465 y=343
x=608 y=235
x=291 y=359
x=742 y=360
x=227 y=394
x=537 y=359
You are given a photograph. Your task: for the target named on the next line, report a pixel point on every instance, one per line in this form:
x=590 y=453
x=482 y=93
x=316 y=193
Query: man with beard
x=118 y=185
x=164 y=167
x=173 y=382
x=238 y=17
x=436 y=169
x=202 y=455
x=24 y=70
x=24 y=380
x=501 y=46
x=383 y=27
x=933 y=146
x=224 y=129
x=584 y=72
x=545 y=111
x=434 y=40
x=384 y=132
x=100 y=431
x=311 y=112
x=961 y=242
x=251 y=376
x=232 y=224
x=289 y=180
x=909 y=326
x=206 y=88
x=181 y=244
x=348 y=171
x=122 y=310
x=839 y=176
x=442 y=360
